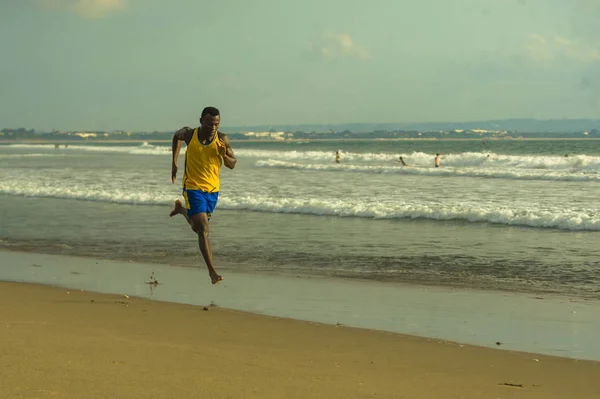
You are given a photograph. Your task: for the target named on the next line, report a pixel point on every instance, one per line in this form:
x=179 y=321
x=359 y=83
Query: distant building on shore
x=269 y=135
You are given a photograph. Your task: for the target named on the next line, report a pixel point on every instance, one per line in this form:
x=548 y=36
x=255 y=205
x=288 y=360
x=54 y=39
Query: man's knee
x=202 y=232
x=200 y=227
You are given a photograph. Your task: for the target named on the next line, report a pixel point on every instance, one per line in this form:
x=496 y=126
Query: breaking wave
x=519 y=215
x=477 y=171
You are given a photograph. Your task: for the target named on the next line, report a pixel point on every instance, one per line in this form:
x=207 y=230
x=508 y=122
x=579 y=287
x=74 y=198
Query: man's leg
x=199 y=223
x=180 y=209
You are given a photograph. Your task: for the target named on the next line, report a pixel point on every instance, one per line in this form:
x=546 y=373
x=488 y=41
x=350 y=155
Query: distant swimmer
x=207 y=150
x=402 y=161
x=437 y=160
x=338 y=157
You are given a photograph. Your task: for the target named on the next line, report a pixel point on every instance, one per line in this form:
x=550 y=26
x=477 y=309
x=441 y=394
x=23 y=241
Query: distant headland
x=490 y=129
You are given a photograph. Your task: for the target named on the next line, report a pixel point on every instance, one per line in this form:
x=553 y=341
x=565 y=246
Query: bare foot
x=215 y=278
x=179 y=208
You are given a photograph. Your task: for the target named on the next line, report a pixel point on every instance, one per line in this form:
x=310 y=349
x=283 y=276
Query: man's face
x=210 y=123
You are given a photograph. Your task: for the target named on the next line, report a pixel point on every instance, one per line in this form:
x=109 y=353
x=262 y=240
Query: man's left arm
x=229 y=158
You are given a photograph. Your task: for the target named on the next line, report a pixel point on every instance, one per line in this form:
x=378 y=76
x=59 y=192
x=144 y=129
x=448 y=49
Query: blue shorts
x=198 y=201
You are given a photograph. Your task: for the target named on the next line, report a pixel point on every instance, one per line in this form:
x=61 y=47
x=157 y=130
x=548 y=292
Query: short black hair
x=212 y=111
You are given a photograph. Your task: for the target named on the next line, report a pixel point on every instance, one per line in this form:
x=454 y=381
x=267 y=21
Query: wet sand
x=551 y=325
x=57 y=342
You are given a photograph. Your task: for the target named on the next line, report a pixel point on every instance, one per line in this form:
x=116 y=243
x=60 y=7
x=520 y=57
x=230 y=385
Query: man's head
x=210 y=119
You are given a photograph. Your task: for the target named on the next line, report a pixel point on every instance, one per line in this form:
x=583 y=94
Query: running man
x=207 y=150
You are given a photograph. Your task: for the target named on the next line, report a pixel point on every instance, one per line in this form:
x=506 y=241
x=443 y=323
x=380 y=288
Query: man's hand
x=226 y=152
x=222 y=148
x=173 y=173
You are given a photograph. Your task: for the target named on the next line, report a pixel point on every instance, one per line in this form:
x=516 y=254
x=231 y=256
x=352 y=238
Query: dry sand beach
x=56 y=342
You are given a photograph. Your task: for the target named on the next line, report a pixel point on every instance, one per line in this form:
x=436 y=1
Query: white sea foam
x=142 y=149
x=518 y=214
x=474 y=171
x=487 y=160
x=472 y=212
x=465 y=159
x=90 y=192
x=10 y=156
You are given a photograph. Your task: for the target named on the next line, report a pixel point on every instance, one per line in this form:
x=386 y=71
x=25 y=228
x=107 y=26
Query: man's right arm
x=178 y=137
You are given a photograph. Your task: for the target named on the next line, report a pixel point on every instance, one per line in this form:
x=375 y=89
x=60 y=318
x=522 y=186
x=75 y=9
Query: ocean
x=509 y=215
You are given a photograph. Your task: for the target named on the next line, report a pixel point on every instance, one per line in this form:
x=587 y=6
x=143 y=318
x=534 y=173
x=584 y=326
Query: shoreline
x=353 y=279
x=131 y=347
x=550 y=325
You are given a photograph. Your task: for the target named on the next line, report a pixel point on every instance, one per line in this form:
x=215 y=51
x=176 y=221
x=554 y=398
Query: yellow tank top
x=202 y=164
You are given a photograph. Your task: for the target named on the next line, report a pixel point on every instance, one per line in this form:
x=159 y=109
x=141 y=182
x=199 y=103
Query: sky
x=152 y=65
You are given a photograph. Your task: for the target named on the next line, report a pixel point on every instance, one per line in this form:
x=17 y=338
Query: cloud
x=561 y=41
x=541 y=48
x=85 y=8
x=339 y=45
